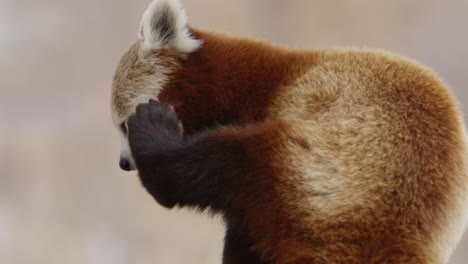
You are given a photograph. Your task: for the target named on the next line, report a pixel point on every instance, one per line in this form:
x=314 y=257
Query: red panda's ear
x=164 y=25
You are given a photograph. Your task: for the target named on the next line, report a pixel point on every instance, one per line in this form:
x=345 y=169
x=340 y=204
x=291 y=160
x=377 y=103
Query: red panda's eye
x=123 y=127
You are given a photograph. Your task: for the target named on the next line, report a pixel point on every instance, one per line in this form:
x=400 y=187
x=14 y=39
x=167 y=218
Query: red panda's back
x=385 y=156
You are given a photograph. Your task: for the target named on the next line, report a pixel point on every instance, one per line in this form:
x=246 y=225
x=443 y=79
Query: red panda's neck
x=230 y=80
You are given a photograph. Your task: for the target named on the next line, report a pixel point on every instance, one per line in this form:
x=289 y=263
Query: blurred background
x=63 y=198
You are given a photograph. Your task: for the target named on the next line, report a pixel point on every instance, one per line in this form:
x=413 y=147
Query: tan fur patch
x=140 y=76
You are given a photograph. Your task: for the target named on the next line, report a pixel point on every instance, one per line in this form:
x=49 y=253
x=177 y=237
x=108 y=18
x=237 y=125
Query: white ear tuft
x=164 y=25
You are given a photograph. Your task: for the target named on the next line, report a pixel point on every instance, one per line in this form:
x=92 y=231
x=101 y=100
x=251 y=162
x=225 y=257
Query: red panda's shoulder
x=231 y=76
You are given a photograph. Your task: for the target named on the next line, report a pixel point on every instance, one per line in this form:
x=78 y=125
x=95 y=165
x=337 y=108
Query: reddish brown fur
x=230 y=80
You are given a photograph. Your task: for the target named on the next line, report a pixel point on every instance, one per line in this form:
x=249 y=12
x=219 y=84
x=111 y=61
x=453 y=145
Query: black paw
x=154 y=128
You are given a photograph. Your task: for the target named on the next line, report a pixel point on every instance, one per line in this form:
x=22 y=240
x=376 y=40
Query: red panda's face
x=140 y=76
x=144 y=68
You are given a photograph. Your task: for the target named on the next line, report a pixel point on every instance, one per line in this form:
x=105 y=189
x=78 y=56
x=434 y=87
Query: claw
x=180 y=127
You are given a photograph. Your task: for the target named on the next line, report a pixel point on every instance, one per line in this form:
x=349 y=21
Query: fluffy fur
x=167 y=29
x=325 y=156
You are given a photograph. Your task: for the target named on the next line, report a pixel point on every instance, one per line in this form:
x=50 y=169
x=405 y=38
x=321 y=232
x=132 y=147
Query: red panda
x=320 y=156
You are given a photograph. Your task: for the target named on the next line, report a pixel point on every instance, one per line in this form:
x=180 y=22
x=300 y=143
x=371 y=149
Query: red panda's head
x=144 y=68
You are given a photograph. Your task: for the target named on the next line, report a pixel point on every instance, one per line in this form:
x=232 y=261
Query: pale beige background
x=63 y=198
